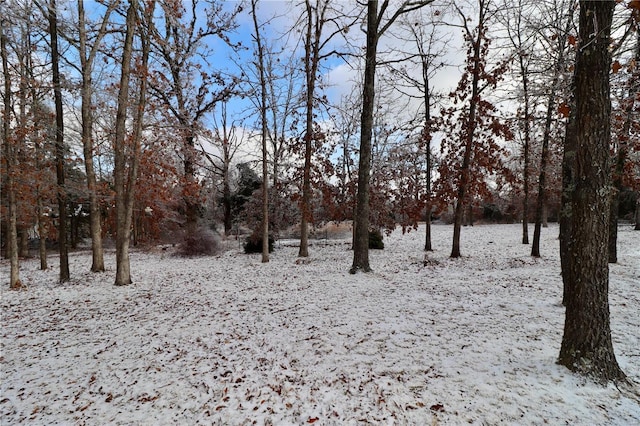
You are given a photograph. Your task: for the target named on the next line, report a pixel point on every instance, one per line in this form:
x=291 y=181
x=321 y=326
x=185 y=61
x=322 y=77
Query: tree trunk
x=586 y=344
x=361 y=238
x=637 y=215
x=427 y=230
x=123 y=224
x=226 y=200
x=264 y=132
x=312 y=58
x=86 y=65
x=62 y=190
x=541 y=206
x=621 y=157
x=465 y=171
x=565 y=221
x=427 y=140
x=8 y=142
x=42 y=234
x=190 y=199
x=23 y=243
x=527 y=147
x=613 y=226
x=542 y=178
x=310 y=67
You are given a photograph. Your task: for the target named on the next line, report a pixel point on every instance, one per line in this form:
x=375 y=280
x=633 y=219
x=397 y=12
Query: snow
x=229 y=340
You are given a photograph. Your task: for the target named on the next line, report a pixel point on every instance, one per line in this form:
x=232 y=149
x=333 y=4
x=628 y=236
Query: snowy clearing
x=228 y=340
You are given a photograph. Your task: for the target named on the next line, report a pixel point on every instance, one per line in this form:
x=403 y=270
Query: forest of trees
x=147 y=121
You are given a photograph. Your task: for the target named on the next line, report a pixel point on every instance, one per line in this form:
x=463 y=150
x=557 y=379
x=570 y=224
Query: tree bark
x=313 y=42
x=42 y=234
x=465 y=171
x=311 y=48
x=86 y=66
x=226 y=201
x=123 y=269
x=621 y=156
x=542 y=179
x=264 y=132
x=565 y=221
x=375 y=30
x=60 y=173
x=40 y=164
x=7 y=141
x=527 y=147
x=427 y=139
x=361 y=237
x=541 y=219
x=586 y=344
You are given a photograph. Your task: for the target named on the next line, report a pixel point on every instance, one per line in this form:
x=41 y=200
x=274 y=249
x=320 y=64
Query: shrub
x=254 y=243
x=375 y=240
x=202 y=242
x=492 y=213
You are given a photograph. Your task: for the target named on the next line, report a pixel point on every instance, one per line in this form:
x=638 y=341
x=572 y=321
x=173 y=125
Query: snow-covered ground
x=228 y=340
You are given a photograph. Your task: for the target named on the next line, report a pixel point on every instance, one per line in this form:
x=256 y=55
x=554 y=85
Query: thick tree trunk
x=361 y=237
x=586 y=344
x=612 y=243
x=62 y=190
x=565 y=219
x=637 y=215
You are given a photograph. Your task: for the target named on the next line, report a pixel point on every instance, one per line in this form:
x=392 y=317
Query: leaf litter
x=423 y=339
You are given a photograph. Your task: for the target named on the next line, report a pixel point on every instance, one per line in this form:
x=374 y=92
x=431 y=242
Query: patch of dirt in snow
x=424 y=339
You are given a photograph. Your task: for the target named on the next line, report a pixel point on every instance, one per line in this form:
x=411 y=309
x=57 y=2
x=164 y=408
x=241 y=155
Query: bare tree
x=226 y=143
x=377 y=25
x=284 y=102
x=427 y=59
x=563 y=12
x=127 y=158
x=260 y=65
x=522 y=42
x=60 y=160
x=187 y=89
x=315 y=42
x=586 y=343
x=476 y=126
x=624 y=120
x=41 y=120
x=8 y=142
x=123 y=270
x=88 y=55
